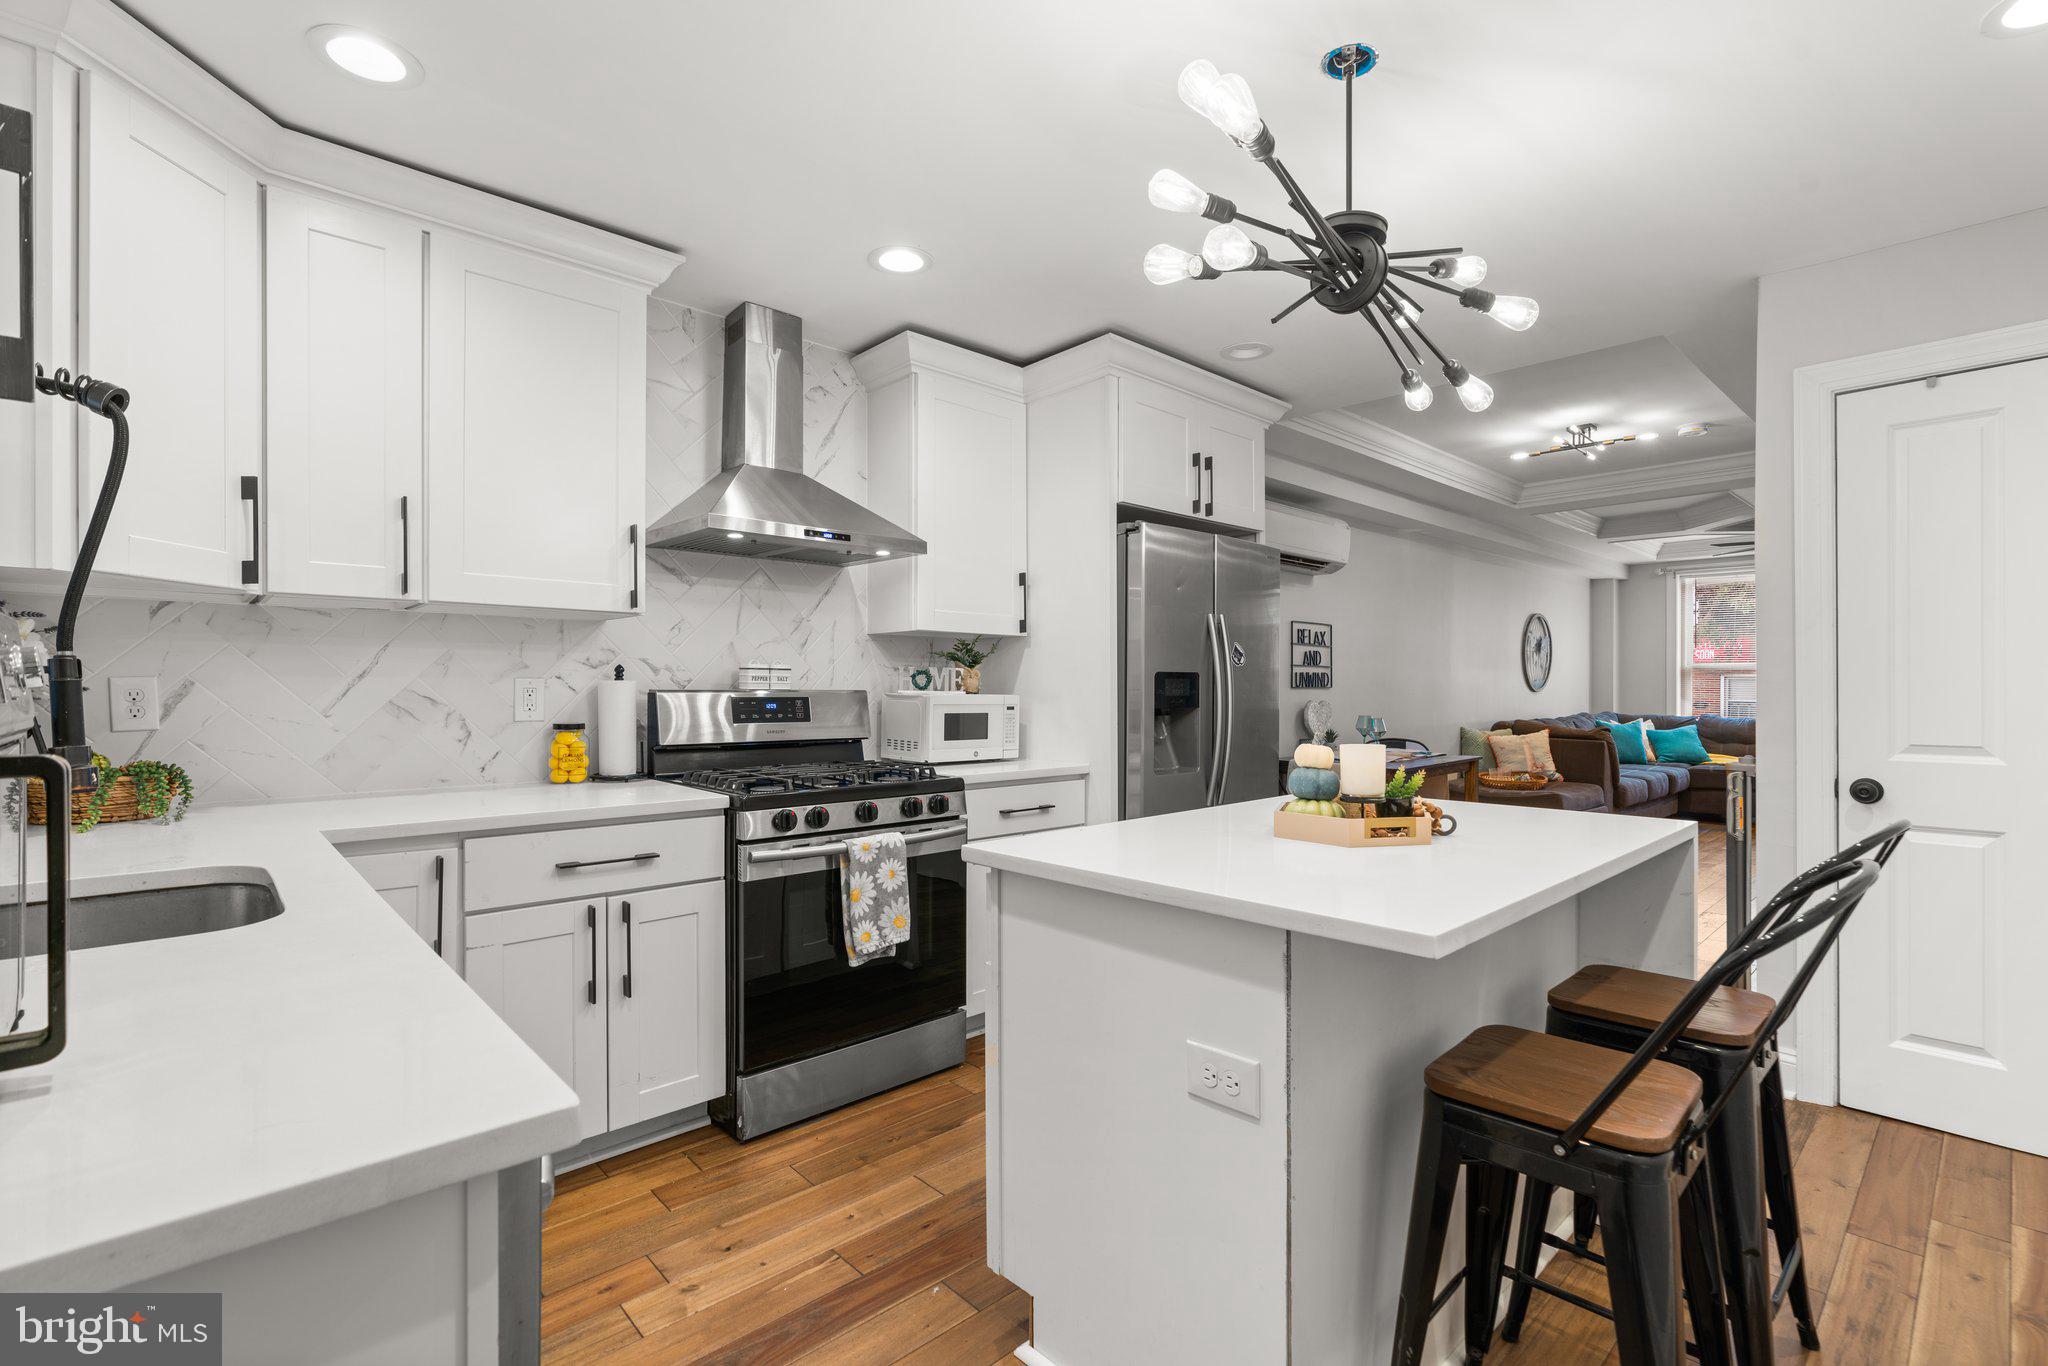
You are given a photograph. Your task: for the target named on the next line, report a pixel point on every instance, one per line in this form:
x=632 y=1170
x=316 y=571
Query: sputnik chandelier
x=1343 y=256
x=1579 y=437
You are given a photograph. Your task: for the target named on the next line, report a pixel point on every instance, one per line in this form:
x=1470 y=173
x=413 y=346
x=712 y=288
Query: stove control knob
x=913 y=806
x=784 y=820
x=817 y=817
x=938 y=805
x=866 y=811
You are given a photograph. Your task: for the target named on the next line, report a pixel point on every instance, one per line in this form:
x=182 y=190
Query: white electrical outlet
x=526 y=698
x=133 y=704
x=1223 y=1078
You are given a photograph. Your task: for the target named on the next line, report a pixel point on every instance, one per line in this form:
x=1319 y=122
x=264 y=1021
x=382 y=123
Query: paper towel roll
x=618 y=743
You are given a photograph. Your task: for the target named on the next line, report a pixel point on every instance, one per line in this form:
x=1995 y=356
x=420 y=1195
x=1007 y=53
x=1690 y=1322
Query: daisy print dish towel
x=875 y=885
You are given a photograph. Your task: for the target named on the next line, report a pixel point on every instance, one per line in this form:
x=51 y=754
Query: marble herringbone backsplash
x=266 y=701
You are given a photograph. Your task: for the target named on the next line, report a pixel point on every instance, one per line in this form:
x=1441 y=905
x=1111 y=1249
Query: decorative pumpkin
x=1314 y=756
x=1313 y=784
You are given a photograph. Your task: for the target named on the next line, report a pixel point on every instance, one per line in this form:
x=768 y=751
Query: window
x=1717 y=644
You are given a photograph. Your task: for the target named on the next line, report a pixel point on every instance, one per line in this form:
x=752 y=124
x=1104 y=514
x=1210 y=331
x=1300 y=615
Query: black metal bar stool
x=1501 y=1106
x=1749 y=1155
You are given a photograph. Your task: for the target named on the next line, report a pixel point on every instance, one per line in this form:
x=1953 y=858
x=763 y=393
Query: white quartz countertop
x=1504 y=863
x=223 y=1089
x=998 y=772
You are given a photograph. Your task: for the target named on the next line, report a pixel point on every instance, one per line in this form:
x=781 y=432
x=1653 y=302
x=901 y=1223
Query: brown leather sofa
x=1585 y=754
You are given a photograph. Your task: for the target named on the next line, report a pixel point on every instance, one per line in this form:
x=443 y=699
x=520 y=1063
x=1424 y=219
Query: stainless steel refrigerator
x=1201 y=669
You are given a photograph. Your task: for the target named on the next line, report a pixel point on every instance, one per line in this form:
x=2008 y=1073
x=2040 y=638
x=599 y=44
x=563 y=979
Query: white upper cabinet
x=946 y=461
x=345 y=459
x=1180 y=454
x=171 y=278
x=536 y=428
x=666 y=952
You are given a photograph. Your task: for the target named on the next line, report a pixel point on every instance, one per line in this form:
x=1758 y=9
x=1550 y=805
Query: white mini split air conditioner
x=1307 y=541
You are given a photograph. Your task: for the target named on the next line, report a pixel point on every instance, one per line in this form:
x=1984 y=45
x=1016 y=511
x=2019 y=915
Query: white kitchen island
x=1150 y=1225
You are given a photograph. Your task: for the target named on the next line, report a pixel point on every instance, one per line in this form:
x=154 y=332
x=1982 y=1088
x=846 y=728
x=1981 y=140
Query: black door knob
x=1867 y=791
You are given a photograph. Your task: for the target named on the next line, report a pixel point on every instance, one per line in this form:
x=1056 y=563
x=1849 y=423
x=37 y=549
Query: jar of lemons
x=569 y=755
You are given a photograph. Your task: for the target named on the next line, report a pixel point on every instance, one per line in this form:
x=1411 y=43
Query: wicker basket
x=120 y=804
x=1514 y=782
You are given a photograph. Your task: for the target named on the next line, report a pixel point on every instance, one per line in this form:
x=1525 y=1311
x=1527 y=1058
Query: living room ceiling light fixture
x=2011 y=18
x=1342 y=257
x=899 y=260
x=1580 y=437
x=1247 y=351
x=1695 y=429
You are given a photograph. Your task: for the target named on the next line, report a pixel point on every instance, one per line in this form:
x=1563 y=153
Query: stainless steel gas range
x=806 y=1032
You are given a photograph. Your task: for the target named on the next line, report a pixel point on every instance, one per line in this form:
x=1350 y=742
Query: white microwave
x=948 y=727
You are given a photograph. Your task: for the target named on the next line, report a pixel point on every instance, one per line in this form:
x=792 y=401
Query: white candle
x=1362 y=770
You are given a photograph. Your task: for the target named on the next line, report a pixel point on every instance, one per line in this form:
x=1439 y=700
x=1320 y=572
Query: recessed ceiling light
x=1695 y=429
x=898 y=260
x=2011 y=18
x=366 y=56
x=1247 y=351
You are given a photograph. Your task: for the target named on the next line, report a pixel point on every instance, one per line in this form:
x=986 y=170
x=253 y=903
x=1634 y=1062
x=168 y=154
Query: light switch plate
x=1223 y=1078
x=133 y=704
x=526 y=698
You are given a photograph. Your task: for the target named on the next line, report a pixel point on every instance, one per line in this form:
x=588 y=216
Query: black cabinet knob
x=913 y=806
x=816 y=817
x=1866 y=790
x=783 y=820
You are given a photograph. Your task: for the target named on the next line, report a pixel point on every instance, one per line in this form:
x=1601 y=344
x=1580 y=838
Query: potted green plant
x=969 y=654
x=1402 y=788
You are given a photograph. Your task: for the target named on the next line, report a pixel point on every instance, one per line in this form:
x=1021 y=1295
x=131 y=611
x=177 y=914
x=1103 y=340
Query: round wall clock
x=1536 y=652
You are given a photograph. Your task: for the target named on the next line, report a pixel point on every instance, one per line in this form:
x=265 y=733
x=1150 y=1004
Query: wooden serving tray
x=1346 y=833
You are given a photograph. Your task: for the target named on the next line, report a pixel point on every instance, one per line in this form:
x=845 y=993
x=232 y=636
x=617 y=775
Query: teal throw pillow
x=1679 y=745
x=1629 y=745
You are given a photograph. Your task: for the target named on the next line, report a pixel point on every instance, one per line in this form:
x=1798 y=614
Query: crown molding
x=106 y=42
x=888 y=361
x=1111 y=354
x=1378 y=442
x=1654 y=481
x=1584 y=522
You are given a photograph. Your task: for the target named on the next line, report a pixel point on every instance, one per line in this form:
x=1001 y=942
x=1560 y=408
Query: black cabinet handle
x=1197 y=459
x=440 y=899
x=249 y=489
x=1023 y=602
x=404 y=547
x=567 y=864
x=1209 y=469
x=1025 y=810
x=1869 y=791
x=626 y=919
x=590 y=918
x=633 y=541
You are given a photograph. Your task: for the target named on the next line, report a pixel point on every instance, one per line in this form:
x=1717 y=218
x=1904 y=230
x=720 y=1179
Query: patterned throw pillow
x=1528 y=753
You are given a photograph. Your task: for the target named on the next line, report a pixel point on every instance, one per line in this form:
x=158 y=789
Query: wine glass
x=1371 y=728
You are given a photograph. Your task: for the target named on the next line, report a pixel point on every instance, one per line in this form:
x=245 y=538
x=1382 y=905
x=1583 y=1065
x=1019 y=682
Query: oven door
x=32 y=936
x=798 y=995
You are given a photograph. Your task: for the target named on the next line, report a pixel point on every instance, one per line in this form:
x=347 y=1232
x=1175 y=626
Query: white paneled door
x=667 y=975
x=1942 y=659
x=542 y=969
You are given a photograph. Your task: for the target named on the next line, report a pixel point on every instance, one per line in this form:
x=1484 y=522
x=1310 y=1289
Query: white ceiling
x=1648 y=385
x=1632 y=165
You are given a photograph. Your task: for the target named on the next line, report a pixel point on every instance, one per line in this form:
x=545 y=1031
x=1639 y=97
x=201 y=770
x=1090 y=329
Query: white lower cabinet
x=1011 y=809
x=540 y=968
x=666 y=999
x=420 y=885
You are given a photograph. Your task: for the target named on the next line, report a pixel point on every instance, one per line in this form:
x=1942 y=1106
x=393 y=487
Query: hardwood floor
x=1922 y=1248
x=1711 y=919
x=855 y=1238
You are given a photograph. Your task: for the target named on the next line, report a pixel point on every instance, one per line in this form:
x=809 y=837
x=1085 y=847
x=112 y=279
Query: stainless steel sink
x=131 y=917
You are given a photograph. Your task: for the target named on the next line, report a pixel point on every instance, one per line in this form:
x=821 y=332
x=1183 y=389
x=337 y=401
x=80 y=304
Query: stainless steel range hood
x=762 y=504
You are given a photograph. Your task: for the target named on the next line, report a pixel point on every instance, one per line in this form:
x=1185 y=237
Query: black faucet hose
x=111 y=403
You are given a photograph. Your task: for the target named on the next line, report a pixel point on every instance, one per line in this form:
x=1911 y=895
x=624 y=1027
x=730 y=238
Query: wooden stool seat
x=1548 y=1081
x=1733 y=1017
